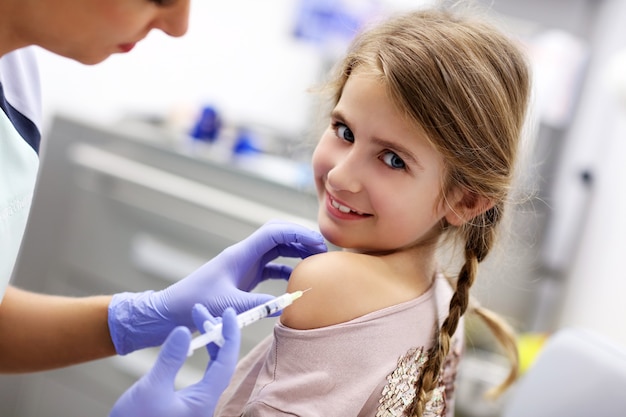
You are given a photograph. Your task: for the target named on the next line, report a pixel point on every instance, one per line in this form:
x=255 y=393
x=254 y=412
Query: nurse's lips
x=127 y=47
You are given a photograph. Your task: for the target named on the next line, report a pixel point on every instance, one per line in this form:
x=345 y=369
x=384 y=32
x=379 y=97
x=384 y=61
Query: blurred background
x=154 y=161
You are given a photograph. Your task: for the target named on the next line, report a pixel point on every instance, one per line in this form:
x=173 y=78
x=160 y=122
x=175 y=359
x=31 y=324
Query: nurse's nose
x=346 y=175
x=174 y=20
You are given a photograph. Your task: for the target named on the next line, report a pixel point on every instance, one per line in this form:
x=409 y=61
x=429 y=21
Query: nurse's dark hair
x=465 y=83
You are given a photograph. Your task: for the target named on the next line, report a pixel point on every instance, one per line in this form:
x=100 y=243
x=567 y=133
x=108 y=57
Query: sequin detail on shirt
x=400 y=389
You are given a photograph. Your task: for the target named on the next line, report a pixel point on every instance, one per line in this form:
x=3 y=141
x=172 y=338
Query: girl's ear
x=466 y=205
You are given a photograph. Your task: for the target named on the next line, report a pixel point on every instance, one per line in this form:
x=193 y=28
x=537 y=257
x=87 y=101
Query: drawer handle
x=194 y=192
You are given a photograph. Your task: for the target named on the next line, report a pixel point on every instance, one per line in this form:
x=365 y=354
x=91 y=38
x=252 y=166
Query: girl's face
x=89 y=31
x=378 y=179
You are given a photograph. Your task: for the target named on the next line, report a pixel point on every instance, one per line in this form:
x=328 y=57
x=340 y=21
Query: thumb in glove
x=154 y=395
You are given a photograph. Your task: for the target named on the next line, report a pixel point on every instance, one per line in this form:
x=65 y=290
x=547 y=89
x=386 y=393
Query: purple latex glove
x=138 y=320
x=154 y=394
x=200 y=314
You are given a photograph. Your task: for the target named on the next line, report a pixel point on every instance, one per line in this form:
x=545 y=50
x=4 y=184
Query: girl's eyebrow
x=337 y=114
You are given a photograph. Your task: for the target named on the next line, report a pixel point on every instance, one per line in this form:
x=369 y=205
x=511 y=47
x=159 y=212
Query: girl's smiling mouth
x=343 y=208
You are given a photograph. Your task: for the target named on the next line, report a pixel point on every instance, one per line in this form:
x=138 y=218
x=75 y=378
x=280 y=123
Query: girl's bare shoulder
x=341 y=286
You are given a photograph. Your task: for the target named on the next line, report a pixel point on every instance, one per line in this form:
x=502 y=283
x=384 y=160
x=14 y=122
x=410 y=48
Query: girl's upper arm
x=324 y=278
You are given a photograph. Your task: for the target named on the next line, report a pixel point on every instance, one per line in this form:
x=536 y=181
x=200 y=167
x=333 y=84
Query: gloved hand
x=138 y=320
x=200 y=314
x=154 y=395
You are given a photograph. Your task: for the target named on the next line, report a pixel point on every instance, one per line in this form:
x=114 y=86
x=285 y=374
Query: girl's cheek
x=320 y=159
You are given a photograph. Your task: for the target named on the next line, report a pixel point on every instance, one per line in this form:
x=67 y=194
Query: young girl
x=428 y=112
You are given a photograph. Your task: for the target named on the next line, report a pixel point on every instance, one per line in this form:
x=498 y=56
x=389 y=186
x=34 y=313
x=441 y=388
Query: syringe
x=213 y=332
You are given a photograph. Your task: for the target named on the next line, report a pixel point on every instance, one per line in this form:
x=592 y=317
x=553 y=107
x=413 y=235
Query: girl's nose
x=174 y=20
x=346 y=175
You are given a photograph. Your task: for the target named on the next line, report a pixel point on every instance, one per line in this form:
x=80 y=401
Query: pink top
x=363 y=367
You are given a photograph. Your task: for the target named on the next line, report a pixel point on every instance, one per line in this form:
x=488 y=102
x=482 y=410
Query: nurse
x=75 y=330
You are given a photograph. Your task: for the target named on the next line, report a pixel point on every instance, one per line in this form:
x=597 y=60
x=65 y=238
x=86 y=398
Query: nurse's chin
x=91 y=59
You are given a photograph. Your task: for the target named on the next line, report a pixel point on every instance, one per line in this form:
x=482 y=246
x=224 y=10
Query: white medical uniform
x=20 y=134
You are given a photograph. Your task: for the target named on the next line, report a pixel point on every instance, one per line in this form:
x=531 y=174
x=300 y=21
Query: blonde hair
x=467 y=85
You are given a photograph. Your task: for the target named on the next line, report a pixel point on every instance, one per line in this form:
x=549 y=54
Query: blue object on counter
x=246 y=143
x=208 y=125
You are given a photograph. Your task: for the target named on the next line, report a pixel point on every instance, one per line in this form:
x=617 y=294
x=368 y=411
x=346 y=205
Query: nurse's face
x=89 y=31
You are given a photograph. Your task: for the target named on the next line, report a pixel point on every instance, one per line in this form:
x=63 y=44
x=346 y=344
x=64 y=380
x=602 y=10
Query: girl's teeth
x=340 y=207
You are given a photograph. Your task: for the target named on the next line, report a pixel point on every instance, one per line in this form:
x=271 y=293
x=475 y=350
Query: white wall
x=596 y=278
x=237 y=55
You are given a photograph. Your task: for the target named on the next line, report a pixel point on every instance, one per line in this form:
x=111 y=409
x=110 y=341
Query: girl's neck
x=413 y=267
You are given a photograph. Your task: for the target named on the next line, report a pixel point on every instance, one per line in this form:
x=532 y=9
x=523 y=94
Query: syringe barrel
x=214 y=332
x=264 y=310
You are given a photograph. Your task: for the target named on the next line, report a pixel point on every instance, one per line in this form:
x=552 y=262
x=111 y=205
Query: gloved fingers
x=220 y=371
x=308 y=250
x=276 y=271
x=171 y=358
x=294 y=250
x=276 y=232
x=232 y=336
x=200 y=314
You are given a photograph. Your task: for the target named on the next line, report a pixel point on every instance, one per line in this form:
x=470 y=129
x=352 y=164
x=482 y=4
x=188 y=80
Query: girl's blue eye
x=393 y=160
x=344 y=133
